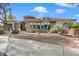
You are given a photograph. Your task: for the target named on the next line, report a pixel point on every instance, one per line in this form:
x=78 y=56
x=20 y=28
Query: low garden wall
x=74 y=32
x=77 y=32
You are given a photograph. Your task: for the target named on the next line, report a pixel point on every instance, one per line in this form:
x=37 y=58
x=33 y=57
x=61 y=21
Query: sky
x=39 y=10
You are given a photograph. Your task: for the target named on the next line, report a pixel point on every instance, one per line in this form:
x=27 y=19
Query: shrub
x=15 y=31
x=56 y=28
x=2 y=31
x=30 y=31
x=75 y=25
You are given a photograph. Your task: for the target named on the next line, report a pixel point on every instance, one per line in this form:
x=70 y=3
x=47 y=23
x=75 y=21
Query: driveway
x=22 y=47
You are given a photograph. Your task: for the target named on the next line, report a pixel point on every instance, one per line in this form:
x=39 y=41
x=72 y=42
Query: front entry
x=23 y=26
x=36 y=28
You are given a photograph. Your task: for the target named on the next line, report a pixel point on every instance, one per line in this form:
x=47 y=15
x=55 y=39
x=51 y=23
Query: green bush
x=15 y=31
x=56 y=28
x=2 y=31
x=75 y=25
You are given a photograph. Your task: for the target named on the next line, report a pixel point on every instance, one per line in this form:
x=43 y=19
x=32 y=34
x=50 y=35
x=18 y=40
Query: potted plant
x=15 y=31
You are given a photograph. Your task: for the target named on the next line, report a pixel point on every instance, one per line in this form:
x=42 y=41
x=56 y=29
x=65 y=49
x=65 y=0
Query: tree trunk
x=5 y=22
x=5 y=26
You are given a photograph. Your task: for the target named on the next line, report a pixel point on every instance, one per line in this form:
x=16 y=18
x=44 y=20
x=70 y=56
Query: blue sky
x=52 y=10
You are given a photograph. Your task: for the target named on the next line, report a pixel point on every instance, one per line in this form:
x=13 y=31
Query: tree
x=4 y=8
x=75 y=25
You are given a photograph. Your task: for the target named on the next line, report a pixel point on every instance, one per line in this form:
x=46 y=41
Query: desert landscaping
x=37 y=36
x=28 y=44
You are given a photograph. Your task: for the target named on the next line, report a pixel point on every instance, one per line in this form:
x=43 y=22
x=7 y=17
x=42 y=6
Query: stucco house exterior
x=31 y=23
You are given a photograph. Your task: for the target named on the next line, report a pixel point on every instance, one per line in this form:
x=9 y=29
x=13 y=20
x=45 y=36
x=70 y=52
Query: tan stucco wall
x=74 y=31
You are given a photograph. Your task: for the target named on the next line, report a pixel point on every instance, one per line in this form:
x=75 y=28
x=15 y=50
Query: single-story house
x=32 y=23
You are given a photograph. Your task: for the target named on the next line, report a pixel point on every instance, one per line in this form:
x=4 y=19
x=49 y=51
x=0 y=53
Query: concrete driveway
x=23 y=47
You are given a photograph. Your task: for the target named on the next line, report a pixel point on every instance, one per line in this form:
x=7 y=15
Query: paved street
x=22 y=47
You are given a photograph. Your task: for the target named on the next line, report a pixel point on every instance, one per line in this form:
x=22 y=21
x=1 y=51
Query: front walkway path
x=22 y=47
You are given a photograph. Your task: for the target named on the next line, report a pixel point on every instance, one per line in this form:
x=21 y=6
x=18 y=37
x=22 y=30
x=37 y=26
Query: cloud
x=77 y=15
x=60 y=11
x=68 y=5
x=40 y=9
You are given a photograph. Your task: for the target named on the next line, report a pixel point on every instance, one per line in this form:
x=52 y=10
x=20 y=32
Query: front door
x=23 y=26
